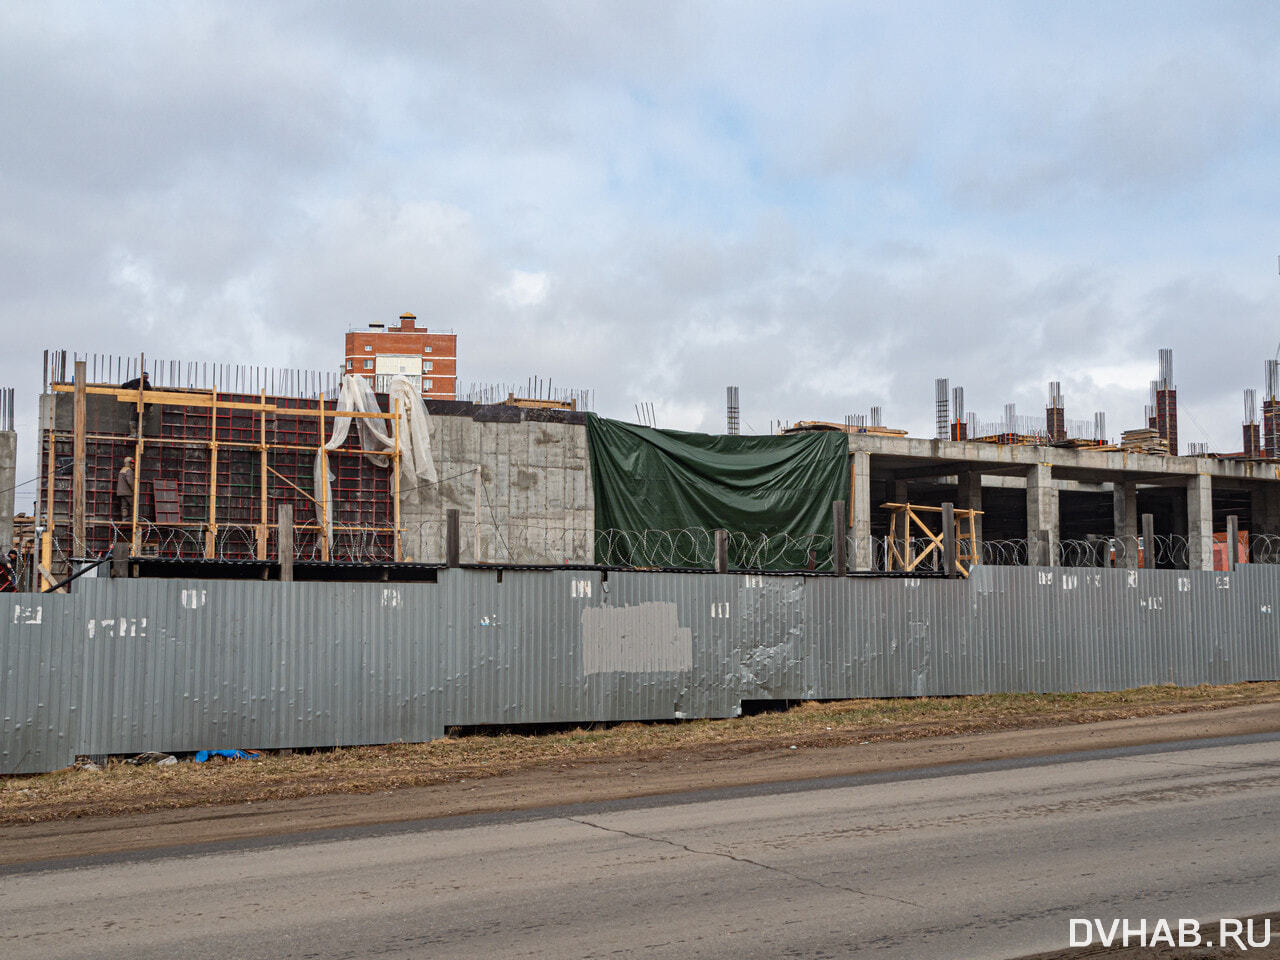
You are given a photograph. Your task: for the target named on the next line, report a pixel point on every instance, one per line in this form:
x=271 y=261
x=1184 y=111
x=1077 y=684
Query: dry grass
x=121 y=788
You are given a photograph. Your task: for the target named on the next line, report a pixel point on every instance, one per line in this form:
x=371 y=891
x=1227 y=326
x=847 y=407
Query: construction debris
x=152 y=758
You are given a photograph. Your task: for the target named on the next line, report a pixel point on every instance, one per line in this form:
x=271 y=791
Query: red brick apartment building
x=431 y=359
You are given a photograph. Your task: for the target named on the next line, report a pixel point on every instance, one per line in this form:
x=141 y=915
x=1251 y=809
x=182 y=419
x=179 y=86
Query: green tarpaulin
x=773 y=494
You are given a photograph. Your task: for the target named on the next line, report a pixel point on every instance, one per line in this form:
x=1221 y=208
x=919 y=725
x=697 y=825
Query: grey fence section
x=124 y=666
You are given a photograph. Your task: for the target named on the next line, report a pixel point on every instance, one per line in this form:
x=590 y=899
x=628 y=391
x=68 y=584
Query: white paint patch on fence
x=645 y=638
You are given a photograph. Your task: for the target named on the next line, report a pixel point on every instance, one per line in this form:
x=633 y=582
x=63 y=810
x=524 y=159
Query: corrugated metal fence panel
x=125 y=666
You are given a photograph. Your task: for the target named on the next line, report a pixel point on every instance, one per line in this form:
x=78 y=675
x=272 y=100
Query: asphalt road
x=989 y=861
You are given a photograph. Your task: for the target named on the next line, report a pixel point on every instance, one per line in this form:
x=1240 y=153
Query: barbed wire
x=540 y=542
x=1264 y=548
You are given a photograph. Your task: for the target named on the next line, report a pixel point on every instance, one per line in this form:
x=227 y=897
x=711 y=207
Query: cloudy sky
x=826 y=204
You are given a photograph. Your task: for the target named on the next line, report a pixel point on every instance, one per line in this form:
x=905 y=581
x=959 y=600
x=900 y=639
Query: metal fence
x=122 y=666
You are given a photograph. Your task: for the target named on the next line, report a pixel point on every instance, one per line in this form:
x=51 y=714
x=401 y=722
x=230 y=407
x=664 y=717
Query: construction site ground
x=75 y=812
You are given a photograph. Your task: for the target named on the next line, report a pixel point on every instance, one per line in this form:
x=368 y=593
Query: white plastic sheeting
x=416 y=464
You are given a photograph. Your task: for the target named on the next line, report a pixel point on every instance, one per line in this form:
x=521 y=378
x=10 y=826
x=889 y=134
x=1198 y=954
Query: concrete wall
x=8 y=480
x=534 y=502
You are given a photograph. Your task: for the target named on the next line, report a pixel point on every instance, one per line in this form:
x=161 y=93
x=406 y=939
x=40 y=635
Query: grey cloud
x=715 y=196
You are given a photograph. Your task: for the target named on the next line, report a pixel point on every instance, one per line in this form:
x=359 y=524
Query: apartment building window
x=348 y=364
x=368 y=364
x=426 y=349
x=368 y=348
x=426 y=364
x=426 y=385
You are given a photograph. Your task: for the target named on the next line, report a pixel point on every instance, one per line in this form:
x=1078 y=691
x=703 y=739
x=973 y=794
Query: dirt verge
x=79 y=813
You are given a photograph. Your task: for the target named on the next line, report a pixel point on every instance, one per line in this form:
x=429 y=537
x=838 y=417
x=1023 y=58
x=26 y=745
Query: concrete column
x=1042 y=517
x=969 y=495
x=8 y=479
x=860 y=465
x=1200 y=522
x=1124 y=511
x=1264 y=508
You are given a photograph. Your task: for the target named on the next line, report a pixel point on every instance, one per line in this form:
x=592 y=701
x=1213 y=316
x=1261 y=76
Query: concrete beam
x=1042 y=517
x=1200 y=523
x=1066 y=462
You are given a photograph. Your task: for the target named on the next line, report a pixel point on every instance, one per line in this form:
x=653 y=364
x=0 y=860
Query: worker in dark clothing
x=9 y=573
x=124 y=489
x=144 y=382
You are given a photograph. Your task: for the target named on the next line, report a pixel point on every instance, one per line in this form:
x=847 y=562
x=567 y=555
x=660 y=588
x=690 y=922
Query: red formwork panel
x=178 y=454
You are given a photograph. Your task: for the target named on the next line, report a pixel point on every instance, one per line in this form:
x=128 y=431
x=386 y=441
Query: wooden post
x=722 y=551
x=211 y=531
x=119 y=560
x=137 y=459
x=284 y=541
x=839 y=535
x=46 y=559
x=479 y=483
x=949 y=539
x=908 y=548
x=323 y=492
x=1233 y=541
x=395 y=469
x=77 y=466
x=1148 y=541
x=452 y=537
x=853 y=478
x=262 y=466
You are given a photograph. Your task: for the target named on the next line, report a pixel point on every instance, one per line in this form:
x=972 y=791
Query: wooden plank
x=199 y=398
x=926 y=509
x=284 y=545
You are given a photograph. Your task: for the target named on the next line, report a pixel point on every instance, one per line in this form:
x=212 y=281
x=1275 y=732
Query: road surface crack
x=745 y=860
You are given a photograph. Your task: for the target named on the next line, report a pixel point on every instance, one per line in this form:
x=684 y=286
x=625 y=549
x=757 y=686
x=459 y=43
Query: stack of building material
x=1081 y=443
x=1146 y=440
x=810 y=426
